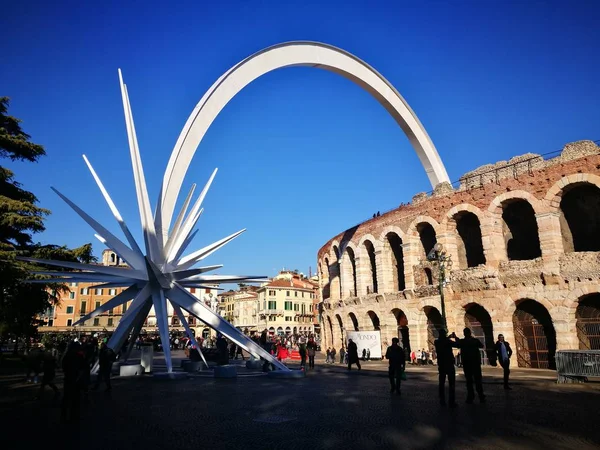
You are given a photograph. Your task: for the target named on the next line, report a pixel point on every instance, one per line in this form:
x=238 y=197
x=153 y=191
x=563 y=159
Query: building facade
x=240 y=308
x=522 y=241
x=286 y=305
x=85 y=297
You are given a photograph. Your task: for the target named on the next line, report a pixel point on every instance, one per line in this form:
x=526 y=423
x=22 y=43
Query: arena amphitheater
x=524 y=240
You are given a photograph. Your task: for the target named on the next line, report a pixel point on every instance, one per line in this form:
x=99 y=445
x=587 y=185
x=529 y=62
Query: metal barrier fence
x=575 y=366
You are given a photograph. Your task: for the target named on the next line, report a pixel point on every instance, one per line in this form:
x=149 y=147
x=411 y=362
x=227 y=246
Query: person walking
x=106 y=359
x=503 y=353
x=49 y=368
x=471 y=361
x=333 y=353
x=328 y=355
x=443 y=348
x=74 y=367
x=352 y=354
x=395 y=355
x=311 y=348
x=302 y=351
x=342 y=355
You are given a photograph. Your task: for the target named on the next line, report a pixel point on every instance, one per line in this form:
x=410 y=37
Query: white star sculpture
x=159 y=275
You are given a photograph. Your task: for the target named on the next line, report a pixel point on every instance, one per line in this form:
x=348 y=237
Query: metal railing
x=575 y=366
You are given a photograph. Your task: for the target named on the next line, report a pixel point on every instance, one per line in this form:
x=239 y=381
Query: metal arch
x=296 y=53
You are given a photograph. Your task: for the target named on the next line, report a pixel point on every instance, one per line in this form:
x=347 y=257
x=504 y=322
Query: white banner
x=366 y=340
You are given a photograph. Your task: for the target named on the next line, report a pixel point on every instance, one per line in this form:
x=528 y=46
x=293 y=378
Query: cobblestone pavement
x=329 y=409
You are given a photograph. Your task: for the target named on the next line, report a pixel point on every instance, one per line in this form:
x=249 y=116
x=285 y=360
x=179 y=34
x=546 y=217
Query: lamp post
x=444 y=261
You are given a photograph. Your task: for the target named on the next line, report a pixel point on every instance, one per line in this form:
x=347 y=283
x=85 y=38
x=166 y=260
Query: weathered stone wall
x=556 y=280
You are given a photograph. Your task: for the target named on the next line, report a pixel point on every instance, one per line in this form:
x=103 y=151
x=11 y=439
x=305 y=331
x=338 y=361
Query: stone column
x=492 y=238
x=382 y=271
x=409 y=251
x=550 y=241
x=362 y=274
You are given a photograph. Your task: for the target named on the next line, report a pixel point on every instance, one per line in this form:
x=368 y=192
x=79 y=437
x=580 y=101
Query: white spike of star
x=161 y=273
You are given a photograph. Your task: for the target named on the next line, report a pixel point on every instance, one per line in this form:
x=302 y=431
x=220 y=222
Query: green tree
x=20 y=218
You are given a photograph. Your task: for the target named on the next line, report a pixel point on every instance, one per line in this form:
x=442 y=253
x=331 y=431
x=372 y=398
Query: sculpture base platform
x=193 y=366
x=225 y=371
x=170 y=375
x=131 y=370
x=254 y=364
x=286 y=374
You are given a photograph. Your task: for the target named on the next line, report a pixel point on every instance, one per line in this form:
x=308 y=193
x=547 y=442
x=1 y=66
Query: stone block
x=193 y=366
x=226 y=371
x=131 y=370
x=254 y=364
x=287 y=374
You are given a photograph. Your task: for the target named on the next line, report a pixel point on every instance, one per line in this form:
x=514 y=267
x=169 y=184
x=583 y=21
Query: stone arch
x=427 y=236
x=353 y=321
x=327 y=279
x=580 y=217
x=535 y=336
x=393 y=261
x=520 y=229
x=372 y=318
x=496 y=204
x=587 y=316
x=335 y=282
x=340 y=323
x=312 y=54
x=466 y=220
x=349 y=272
x=369 y=248
x=435 y=323
x=478 y=319
x=554 y=194
x=403 y=331
x=329 y=342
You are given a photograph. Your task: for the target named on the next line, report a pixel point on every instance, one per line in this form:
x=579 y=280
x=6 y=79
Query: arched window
x=520 y=230
x=427 y=237
x=429 y=276
x=394 y=244
x=470 y=247
x=580 y=224
x=352 y=259
x=372 y=286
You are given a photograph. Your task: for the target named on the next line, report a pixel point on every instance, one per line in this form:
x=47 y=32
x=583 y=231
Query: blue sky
x=303 y=154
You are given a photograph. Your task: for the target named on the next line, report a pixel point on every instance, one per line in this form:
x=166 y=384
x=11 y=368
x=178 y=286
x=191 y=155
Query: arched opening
x=520 y=230
x=112 y=258
x=280 y=331
x=403 y=332
x=341 y=325
x=588 y=322
x=394 y=243
x=295 y=330
x=352 y=259
x=470 y=247
x=480 y=323
x=428 y=276
x=354 y=321
x=326 y=278
x=372 y=272
x=535 y=338
x=336 y=282
x=205 y=333
x=288 y=330
x=427 y=236
x=580 y=226
x=435 y=323
x=330 y=330
x=374 y=320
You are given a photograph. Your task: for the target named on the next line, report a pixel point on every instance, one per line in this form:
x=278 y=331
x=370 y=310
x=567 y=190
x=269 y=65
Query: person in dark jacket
x=504 y=352
x=106 y=359
x=74 y=367
x=443 y=349
x=352 y=354
x=49 y=369
x=471 y=361
x=395 y=355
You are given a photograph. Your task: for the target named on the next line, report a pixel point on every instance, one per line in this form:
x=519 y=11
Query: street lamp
x=444 y=261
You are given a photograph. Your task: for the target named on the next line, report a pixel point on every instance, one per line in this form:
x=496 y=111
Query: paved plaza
x=330 y=408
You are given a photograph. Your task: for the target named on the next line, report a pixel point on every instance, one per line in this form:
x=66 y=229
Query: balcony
x=271 y=312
